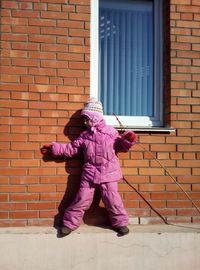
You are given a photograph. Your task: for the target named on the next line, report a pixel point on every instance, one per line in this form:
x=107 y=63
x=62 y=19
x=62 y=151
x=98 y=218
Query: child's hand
x=46 y=149
x=131 y=136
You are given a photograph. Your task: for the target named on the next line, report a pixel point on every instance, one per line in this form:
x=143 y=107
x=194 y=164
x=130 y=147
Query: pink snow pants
x=83 y=200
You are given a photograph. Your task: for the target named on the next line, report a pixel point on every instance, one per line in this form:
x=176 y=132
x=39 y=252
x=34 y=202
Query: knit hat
x=93 y=109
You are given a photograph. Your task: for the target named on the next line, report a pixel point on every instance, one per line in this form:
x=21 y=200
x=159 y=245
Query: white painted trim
x=94 y=48
x=128 y=121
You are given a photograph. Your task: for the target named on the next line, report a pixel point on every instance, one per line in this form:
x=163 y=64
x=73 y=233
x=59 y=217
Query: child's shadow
x=96 y=215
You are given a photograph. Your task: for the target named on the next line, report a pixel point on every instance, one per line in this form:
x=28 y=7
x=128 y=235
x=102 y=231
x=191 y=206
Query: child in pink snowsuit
x=99 y=145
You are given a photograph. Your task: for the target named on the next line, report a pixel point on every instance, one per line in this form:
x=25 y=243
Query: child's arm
x=63 y=150
x=125 y=141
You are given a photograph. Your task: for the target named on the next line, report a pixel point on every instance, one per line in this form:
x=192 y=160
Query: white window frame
x=130 y=121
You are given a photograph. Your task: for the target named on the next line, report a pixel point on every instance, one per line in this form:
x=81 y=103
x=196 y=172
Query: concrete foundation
x=146 y=247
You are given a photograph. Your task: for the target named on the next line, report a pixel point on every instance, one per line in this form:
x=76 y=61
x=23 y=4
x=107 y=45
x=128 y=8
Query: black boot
x=65 y=231
x=122 y=230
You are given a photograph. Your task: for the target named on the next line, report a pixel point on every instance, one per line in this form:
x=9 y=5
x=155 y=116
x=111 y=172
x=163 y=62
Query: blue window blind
x=126 y=47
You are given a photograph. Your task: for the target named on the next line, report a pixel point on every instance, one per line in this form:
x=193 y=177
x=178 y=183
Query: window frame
x=131 y=121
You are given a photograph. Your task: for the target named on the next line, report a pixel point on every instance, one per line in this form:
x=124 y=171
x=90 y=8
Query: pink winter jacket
x=99 y=148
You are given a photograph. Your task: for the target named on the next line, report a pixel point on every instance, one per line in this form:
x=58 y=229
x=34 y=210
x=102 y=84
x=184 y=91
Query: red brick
x=195 y=2
x=187 y=16
x=3 y=215
x=12 y=188
x=189 y=132
x=79 y=16
x=83 y=9
x=54 y=15
x=155 y=204
x=44 y=105
x=25 y=46
x=53 y=180
x=9 y=4
x=4 y=179
x=178 y=140
x=5 y=112
x=179 y=204
x=52 y=7
x=25 y=13
x=188 y=179
x=5 y=146
x=51 y=196
x=23 y=180
x=152 y=139
x=25 y=5
x=196 y=171
x=14 y=21
x=152 y=187
x=59 y=31
x=188 y=8
x=70 y=24
x=54 y=1
x=164 y=179
x=24 y=197
x=80 y=2
x=9 y=78
x=180 y=46
x=25 y=29
x=189 y=156
x=13 y=137
x=55 y=48
x=187 y=212
x=13 y=223
x=25 y=163
x=24 y=146
x=181 y=2
x=41 y=188
x=48 y=214
x=164 y=196
x=70 y=89
x=3 y=197
x=79 y=49
x=42 y=22
x=25 y=129
x=163 y=147
x=188 y=163
x=188 y=116
x=195 y=47
x=12 y=206
x=23 y=214
x=151 y=171
x=42 y=38
x=41 y=205
x=181 y=61
x=188 y=148
x=181 y=77
x=131 y=204
x=136 y=163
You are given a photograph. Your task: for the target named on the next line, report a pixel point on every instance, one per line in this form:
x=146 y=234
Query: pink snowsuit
x=101 y=167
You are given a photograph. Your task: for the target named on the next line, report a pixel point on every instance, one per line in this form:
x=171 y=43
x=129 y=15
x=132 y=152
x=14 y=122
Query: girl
x=99 y=145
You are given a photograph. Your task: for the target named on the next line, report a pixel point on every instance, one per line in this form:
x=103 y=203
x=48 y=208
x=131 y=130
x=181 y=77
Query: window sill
x=148 y=129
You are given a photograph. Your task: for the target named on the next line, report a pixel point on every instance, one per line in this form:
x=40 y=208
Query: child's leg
x=114 y=205
x=74 y=213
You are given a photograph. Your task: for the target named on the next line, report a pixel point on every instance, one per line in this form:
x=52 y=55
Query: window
x=126 y=60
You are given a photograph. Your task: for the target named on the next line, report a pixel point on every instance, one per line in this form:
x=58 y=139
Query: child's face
x=87 y=122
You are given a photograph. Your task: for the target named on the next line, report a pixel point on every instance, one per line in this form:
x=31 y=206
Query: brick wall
x=45 y=81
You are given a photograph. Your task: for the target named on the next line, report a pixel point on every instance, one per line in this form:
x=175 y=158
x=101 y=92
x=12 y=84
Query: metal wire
x=166 y=171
